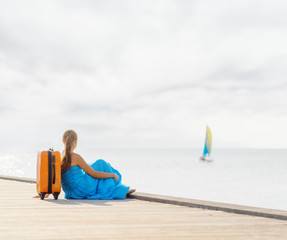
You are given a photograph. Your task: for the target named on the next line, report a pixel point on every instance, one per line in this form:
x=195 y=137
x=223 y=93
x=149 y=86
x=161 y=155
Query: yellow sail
x=208 y=133
x=208 y=141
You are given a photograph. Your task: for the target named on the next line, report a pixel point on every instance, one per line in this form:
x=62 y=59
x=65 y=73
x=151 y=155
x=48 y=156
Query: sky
x=143 y=74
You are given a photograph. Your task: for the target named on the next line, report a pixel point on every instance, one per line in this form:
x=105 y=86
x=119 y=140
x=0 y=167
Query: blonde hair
x=69 y=138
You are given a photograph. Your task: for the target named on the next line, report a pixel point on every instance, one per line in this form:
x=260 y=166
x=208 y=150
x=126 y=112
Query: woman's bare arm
x=89 y=170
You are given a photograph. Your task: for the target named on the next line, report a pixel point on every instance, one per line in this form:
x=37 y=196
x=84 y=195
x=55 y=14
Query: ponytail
x=69 y=139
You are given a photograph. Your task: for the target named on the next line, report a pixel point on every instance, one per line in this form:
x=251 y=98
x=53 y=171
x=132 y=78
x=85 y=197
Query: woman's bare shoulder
x=76 y=159
x=76 y=155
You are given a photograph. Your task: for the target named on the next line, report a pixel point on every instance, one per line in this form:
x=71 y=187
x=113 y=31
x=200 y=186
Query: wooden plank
x=253 y=211
x=23 y=217
x=20 y=179
x=232 y=208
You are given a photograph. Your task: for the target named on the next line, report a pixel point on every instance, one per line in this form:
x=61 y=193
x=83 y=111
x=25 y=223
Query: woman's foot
x=131 y=191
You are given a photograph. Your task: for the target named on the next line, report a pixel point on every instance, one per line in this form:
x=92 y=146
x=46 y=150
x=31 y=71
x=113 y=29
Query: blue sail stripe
x=205 y=151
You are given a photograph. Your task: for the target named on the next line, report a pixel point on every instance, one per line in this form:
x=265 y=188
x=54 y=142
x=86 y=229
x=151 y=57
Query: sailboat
x=207 y=146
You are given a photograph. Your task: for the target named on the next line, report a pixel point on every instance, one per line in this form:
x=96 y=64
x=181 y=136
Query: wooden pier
x=24 y=217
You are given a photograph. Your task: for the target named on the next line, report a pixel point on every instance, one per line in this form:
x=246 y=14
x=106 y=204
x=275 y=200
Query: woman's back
x=71 y=179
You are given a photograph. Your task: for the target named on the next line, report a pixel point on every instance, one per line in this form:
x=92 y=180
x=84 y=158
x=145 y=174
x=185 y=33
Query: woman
x=82 y=181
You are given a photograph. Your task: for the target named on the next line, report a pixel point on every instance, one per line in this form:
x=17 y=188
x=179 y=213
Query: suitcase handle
x=54 y=169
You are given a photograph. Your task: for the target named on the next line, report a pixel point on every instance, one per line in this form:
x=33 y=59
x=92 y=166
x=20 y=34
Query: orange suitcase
x=49 y=173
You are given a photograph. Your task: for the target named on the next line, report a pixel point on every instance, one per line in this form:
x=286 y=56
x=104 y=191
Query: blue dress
x=77 y=184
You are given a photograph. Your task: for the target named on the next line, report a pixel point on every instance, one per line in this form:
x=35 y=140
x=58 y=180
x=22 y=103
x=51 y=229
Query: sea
x=250 y=177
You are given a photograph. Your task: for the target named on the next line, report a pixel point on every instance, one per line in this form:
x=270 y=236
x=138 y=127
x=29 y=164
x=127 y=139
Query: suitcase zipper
x=49 y=172
x=54 y=169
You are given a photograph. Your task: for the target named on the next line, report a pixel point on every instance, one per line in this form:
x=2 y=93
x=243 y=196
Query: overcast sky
x=143 y=73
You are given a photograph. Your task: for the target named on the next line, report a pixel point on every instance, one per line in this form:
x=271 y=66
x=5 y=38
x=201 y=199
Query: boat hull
x=207 y=159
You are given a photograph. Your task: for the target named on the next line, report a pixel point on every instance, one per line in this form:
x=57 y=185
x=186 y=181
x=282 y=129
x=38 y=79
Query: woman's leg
x=110 y=187
x=102 y=166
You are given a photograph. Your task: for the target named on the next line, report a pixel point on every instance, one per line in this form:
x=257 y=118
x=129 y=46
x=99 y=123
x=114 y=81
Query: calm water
x=247 y=177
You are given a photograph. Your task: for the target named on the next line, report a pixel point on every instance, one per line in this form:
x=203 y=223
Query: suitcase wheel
x=42 y=195
x=56 y=195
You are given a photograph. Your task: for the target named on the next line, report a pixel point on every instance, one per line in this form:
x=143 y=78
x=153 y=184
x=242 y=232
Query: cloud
x=143 y=74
